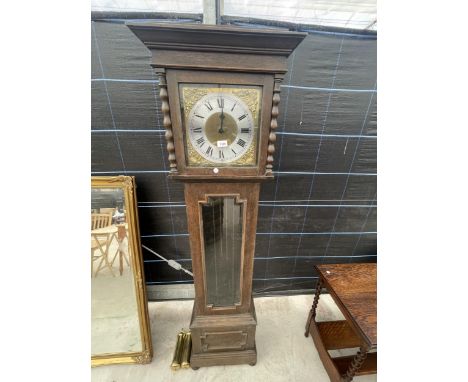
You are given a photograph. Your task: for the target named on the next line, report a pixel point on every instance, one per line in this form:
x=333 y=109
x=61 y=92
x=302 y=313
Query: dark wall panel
x=321 y=206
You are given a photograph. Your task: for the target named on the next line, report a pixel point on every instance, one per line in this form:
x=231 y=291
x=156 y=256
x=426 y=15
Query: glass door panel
x=222 y=237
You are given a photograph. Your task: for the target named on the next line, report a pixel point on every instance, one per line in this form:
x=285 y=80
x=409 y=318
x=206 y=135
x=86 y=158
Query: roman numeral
x=196 y=129
x=208 y=106
x=241 y=142
x=199 y=116
x=233 y=106
x=200 y=140
x=234 y=152
x=221 y=102
x=221 y=154
x=245 y=131
x=242 y=117
x=209 y=151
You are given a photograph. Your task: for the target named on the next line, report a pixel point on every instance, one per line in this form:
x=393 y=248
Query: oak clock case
x=219 y=90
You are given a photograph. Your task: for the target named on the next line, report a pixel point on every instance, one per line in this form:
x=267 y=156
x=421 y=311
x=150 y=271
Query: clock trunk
x=222 y=221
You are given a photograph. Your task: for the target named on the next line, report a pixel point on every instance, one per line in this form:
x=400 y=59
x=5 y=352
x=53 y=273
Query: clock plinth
x=223 y=340
x=220 y=91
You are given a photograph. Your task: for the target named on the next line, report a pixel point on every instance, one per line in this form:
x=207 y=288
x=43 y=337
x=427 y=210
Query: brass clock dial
x=221 y=124
x=220 y=127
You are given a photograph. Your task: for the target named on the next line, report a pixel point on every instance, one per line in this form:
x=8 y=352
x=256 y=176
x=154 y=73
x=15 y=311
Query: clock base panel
x=227 y=339
x=224 y=358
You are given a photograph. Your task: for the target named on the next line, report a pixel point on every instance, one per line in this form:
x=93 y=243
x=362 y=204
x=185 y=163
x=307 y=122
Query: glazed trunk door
x=222 y=222
x=222 y=226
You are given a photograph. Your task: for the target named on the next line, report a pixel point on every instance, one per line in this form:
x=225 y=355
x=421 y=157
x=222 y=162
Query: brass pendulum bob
x=187 y=348
x=175 y=365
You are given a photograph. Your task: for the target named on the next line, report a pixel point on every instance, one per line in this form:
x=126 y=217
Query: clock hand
x=221 y=117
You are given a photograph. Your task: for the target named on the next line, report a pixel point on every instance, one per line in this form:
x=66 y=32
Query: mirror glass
x=222 y=238
x=115 y=326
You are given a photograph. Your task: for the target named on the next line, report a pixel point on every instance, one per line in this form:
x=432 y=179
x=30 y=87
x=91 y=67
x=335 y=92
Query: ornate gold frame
x=127 y=184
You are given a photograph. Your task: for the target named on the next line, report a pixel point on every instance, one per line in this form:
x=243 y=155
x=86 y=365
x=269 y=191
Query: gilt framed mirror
x=120 y=327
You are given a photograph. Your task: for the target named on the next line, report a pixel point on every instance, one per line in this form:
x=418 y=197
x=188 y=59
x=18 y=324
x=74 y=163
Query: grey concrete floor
x=284 y=354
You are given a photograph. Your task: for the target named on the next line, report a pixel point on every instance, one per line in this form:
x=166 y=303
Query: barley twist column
x=313 y=309
x=355 y=365
x=167 y=120
x=273 y=123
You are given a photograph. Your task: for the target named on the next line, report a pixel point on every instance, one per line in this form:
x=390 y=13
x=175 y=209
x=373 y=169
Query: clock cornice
x=208 y=38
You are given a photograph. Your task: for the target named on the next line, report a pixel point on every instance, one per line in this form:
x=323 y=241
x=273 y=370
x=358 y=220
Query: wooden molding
x=219 y=38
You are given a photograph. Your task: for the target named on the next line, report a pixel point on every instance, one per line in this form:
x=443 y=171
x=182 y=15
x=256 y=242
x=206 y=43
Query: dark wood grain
x=337 y=335
x=239 y=62
x=327 y=360
x=354 y=288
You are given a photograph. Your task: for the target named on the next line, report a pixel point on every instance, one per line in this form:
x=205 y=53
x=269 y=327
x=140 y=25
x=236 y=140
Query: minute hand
x=221 y=117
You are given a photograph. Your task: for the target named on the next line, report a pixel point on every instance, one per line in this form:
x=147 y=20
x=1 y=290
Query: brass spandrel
x=250 y=96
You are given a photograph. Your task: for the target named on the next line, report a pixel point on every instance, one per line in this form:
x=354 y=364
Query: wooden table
x=354 y=289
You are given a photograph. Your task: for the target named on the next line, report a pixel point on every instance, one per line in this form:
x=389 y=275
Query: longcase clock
x=219 y=88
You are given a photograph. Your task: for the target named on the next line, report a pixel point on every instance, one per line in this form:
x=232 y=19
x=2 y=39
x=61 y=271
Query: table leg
x=92 y=262
x=121 y=234
x=104 y=255
x=313 y=310
x=120 y=262
x=355 y=365
x=104 y=260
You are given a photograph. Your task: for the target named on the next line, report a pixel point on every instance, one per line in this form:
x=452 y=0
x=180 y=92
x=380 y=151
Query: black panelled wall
x=321 y=207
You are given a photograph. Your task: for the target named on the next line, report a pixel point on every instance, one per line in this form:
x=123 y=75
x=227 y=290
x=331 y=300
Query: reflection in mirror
x=115 y=326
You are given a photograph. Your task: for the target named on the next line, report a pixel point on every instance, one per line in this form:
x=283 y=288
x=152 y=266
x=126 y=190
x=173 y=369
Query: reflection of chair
x=101 y=242
x=107 y=211
x=122 y=251
x=100 y=220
